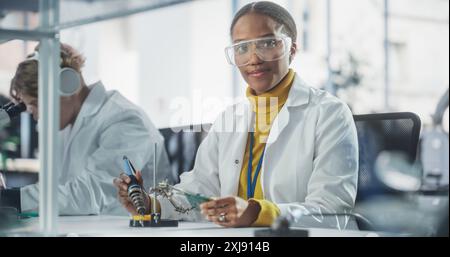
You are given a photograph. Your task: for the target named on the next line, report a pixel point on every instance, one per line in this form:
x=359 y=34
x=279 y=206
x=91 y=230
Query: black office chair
x=181 y=145
x=383 y=132
x=379 y=132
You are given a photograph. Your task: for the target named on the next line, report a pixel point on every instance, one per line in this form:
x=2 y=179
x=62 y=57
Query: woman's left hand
x=231 y=211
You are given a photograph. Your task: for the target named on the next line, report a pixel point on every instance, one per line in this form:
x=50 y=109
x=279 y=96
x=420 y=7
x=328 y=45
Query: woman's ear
x=293 y=52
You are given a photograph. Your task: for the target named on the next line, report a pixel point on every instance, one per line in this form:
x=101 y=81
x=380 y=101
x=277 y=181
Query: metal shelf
x=73 y=13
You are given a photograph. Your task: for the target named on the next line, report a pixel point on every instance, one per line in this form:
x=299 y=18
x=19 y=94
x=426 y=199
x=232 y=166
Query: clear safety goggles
x=267 y=49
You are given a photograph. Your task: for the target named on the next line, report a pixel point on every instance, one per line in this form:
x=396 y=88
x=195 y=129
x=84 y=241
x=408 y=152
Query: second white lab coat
x=107 y=127
x=310 y=164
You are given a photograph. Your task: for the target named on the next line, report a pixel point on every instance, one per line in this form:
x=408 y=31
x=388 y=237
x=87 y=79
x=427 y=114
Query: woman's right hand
x=121 y=183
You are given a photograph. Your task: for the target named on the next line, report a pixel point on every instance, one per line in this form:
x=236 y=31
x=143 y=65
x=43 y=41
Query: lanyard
x=251 y=183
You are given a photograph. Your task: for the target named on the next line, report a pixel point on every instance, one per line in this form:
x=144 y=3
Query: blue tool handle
x=130 y=171
x=133 y=182
x=128 y=167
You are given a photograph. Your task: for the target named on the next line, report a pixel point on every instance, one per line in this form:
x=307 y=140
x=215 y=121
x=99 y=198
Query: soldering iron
x=135 y=191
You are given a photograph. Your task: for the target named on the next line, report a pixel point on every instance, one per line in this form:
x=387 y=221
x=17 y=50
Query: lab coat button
x=236 y=161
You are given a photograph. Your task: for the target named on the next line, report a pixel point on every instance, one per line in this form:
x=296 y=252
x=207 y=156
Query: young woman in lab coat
x=298 y=155
x=98 y=127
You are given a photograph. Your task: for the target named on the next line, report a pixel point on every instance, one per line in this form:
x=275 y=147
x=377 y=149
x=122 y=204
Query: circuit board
x=196 y=199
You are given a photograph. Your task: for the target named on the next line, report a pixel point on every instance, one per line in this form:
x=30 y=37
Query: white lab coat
x=107 y=127
x=311 y=158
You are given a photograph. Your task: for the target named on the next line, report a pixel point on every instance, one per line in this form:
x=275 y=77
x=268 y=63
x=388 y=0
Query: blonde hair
x=25 y=80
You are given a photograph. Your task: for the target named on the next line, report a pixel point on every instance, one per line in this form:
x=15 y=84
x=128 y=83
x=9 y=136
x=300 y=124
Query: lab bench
x=113 y=226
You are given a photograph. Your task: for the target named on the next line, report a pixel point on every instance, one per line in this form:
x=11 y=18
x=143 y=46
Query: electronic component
x=167 y=191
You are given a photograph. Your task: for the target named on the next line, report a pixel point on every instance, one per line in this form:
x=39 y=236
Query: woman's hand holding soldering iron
x=121 y=183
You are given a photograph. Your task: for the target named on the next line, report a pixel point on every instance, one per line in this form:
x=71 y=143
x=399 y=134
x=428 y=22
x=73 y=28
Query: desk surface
x=118 y=226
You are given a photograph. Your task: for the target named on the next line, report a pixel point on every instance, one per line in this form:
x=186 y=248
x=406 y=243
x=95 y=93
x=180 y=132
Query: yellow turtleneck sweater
x=266 y=107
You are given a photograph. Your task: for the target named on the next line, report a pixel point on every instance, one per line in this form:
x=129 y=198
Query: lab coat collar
x=90 y=106
x=299 y=93
x=94 y=100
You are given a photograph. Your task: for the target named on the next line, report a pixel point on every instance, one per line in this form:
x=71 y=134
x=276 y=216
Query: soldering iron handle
x=133 y=181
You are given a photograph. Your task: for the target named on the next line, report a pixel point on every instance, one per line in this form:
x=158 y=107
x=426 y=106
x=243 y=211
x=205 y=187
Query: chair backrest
x=383 y=132
x=181 y=145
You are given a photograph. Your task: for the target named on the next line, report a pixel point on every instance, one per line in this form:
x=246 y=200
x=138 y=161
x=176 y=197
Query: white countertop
x=112 y=226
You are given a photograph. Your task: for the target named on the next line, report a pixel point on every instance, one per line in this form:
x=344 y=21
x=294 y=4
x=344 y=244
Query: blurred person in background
x=97 y=128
